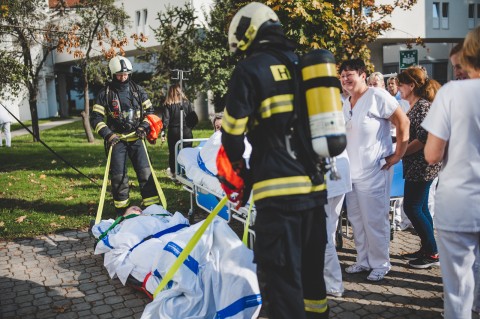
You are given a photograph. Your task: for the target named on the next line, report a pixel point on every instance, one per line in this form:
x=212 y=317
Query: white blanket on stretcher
x=217 y=280
x=127 y=238
x=202 y=287
x=200 y=162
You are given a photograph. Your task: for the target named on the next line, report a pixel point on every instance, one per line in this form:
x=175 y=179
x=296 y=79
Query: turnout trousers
x=289 y=252
x=118 y=173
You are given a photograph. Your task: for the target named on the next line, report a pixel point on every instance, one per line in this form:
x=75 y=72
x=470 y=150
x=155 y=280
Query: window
x=444 y=20
x=137 y=18
x=471 y=16
x=436 y=15
x=141 y=18
x=145 y=28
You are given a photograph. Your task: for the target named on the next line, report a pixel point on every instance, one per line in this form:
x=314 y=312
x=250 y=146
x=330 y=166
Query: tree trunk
x=86 y=112
x=32 y=101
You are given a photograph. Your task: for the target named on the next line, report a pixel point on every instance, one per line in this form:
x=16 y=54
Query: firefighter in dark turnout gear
x=125 y=106
x=290 y=224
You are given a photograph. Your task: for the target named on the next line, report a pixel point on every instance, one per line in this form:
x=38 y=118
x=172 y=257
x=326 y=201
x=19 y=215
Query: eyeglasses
x=347 y=75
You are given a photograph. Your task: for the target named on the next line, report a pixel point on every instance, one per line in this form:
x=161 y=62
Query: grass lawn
x=39 y=194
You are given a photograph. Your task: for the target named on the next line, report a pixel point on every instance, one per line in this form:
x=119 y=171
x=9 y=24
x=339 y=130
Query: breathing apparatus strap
x=299 y=126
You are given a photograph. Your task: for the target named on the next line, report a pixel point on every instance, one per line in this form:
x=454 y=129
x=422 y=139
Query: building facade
x=441 y=24
x=143 y=18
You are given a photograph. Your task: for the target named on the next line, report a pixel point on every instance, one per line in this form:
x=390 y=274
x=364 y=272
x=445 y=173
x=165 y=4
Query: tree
x=178 y=37
x=213 y=63
x=96 y=24
x=27 y=39
x=345 y=27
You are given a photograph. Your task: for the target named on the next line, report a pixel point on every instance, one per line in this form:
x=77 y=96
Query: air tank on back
x=321 y=89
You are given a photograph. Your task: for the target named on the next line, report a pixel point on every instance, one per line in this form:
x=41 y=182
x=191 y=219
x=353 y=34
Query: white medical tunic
x=455 y=117
x=368 y=132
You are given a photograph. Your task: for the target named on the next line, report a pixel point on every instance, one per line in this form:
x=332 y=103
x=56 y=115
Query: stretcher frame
x=197 y=191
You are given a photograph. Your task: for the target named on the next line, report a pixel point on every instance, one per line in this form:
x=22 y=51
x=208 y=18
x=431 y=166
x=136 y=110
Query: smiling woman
x=368 y=112
x=419 y=91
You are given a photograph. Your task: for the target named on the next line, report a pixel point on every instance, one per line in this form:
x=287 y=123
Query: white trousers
x=332 y=271
x=458 y=251
x=368 y=205
x=5 y=128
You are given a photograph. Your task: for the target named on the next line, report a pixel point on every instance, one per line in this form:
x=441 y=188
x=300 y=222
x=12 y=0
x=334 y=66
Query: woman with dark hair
x=174 y=103
x=369 y=111
x=416 y=88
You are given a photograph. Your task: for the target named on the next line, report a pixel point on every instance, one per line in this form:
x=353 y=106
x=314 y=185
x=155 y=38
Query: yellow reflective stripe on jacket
x=146 y=104
x=150 y=201
x=99 y=126
x=276 y=104
x=121 y=203
x=232 y=125
x=318 y=306
x=285 y=186
x=99 y=109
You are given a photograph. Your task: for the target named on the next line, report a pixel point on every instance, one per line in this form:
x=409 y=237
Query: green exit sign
x=408 y=58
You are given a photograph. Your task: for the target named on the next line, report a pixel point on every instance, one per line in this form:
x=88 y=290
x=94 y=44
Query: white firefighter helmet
x=246 y=23
x=119 y=64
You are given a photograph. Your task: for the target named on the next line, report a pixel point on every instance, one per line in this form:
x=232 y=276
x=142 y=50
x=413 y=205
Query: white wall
x=418 y=22
x=407 y=24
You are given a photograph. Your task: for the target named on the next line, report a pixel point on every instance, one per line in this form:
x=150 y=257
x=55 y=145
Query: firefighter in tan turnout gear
x=290 y=223
x=125 y=106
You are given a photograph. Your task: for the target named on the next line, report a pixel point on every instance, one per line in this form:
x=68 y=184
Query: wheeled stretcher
x=195 y=170
x=142 y=249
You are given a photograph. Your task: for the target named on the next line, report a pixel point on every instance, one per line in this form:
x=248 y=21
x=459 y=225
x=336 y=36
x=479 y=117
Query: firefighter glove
x=141 y=132
x=234 y=178
x=111 y=139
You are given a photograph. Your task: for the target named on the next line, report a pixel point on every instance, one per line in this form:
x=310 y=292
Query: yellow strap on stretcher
x=104 y=187
x=189 y=247
x=157 y=184
x=247 y=223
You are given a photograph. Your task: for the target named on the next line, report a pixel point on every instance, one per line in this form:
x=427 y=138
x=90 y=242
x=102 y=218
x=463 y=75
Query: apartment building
x=143 y=17
x=441 y=24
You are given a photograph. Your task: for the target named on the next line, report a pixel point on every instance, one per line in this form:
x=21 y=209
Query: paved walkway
x=45 y=126
x=58 y=276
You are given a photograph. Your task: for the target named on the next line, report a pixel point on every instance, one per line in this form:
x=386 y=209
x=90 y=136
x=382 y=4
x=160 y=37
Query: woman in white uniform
x=336 y=190
x=453 y=124
x=369 y=113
